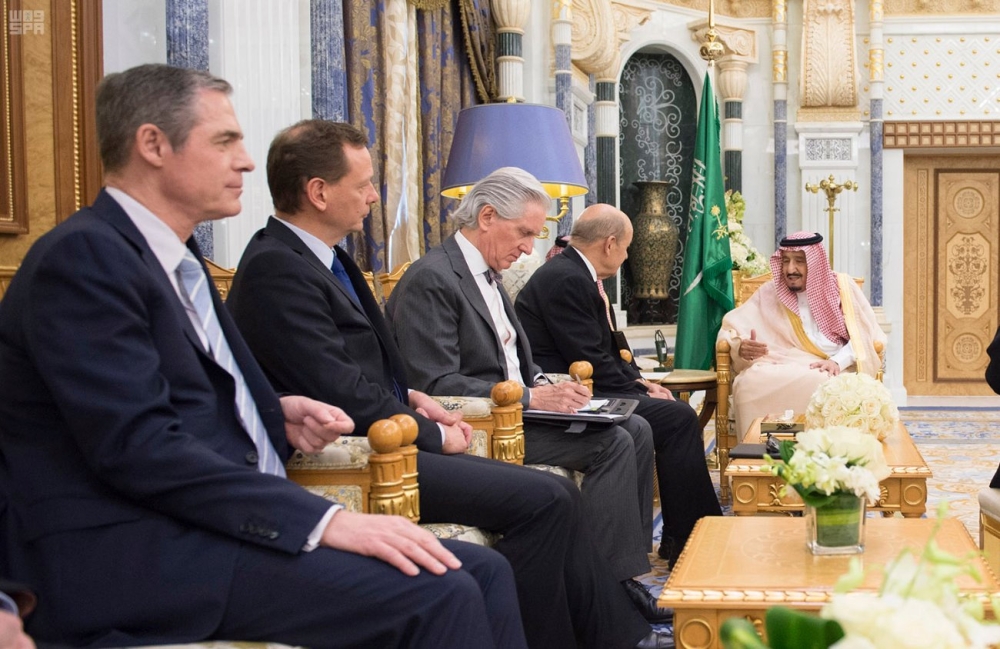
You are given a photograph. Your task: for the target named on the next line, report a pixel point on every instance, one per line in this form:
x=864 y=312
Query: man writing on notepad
x=566 y=317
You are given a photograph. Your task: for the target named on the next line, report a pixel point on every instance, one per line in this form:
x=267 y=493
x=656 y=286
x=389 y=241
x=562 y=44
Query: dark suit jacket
x=445 y=331
x=312 y=339
x=130 y=485
x=563 y=315
x=993 y=378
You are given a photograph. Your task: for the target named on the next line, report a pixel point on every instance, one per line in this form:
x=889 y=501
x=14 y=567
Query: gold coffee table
x=740 y=567
x=904 y=491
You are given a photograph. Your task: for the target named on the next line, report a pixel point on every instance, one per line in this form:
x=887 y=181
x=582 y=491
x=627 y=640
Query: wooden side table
x=904 y=491
x=740 y=567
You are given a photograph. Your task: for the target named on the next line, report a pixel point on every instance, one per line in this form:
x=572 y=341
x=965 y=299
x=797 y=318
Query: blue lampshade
x=533 y=137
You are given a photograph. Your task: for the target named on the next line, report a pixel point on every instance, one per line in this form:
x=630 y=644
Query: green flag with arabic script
x=707 y=280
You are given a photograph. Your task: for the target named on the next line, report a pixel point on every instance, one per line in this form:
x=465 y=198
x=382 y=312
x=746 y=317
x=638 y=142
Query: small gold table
x=740 y=567
x=904 y=491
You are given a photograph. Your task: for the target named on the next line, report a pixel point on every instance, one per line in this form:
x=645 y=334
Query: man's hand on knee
x=828 y=366
x=392 y=539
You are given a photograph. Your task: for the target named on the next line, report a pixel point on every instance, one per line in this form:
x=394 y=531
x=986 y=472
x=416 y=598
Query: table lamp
x=533 y=137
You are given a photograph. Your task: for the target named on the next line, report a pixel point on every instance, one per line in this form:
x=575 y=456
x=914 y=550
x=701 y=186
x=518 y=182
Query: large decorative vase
x=654 y=248
x=837 y=527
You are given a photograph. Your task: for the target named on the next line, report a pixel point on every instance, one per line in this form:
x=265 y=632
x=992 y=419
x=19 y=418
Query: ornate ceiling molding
x=627 y=18
x=595 y=39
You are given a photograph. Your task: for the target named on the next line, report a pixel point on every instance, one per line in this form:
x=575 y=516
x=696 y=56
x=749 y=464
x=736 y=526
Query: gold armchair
x=725 y=437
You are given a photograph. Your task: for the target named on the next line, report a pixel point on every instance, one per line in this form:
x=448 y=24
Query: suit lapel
x=467 y=282
x=279 y=231
x=368 y=308
x=108 y=208
x=375 y=318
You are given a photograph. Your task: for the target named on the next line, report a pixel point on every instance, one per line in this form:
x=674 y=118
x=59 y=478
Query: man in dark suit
x=458 y=333
x=319 y=332
x=141 y=446
x=565 y=316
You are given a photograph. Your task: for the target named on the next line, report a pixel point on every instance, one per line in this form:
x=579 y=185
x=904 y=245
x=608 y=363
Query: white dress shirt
x=491 y=294
x=842 y=355
x=169 y=250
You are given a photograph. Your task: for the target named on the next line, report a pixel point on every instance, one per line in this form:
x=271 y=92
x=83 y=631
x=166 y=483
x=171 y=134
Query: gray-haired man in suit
x=459 y=335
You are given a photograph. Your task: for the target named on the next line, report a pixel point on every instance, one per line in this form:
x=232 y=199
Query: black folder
x=615 y=411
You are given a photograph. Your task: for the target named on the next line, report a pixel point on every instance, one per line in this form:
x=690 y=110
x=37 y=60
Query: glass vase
x=837 y=527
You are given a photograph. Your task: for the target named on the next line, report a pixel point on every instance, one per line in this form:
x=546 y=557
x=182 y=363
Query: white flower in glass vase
x=855 y=400
x=825 y=461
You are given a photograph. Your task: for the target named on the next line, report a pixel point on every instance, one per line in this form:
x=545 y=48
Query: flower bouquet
x=854 y=400
x=917 y=606
x=746 y=258
x=834 y=470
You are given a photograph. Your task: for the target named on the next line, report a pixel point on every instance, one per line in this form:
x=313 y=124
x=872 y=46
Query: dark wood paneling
x=13 y=161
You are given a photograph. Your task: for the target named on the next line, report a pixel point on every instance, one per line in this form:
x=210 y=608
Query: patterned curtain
x=409 y=148
x=364 y=45
x=446 y=85
x=480 y=44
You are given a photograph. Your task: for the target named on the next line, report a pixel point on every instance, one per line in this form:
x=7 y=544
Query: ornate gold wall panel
x=830 y=73
x=951 y=244
x=985 y=8
x=13 y=172
x=939 y=135
x=733 y=8
x=60 y=65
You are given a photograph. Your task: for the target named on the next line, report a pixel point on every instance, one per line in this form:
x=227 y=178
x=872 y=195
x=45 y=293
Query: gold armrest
x=381 y=468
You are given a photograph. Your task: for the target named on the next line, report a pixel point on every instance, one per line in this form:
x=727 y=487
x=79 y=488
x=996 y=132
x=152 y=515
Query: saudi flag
x=707 y=280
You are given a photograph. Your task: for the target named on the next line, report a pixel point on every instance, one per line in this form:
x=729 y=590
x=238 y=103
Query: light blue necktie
x=195 y=283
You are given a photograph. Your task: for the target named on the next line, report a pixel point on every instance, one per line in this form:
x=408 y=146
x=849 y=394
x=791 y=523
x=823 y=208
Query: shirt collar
x=164 y=242
x=590 y=266
x=314 y=243
x=477 y=264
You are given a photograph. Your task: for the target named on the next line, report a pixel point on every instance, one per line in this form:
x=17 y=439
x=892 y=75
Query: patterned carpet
x=960 y=445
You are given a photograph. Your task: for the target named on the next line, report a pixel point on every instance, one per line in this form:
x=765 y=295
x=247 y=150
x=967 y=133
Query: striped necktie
x=607 y=304
x=195 y=282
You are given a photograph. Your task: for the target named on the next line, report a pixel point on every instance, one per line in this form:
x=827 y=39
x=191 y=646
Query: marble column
x=562 y=41
x=739 y=50
x=732 y=81
x=187 y=47
x=877 y=85
x=605 y=132
x=779 y=72
x=329 y=76
x=590 y=150
x=510 y=17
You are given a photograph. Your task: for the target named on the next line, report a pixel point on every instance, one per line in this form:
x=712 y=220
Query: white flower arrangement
x=854 y=400
x=746 y=258
x=918 y=605
x=826 y=461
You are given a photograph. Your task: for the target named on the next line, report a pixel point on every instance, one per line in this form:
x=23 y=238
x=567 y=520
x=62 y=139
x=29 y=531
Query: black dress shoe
x=647 y=604
x=656 y=641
